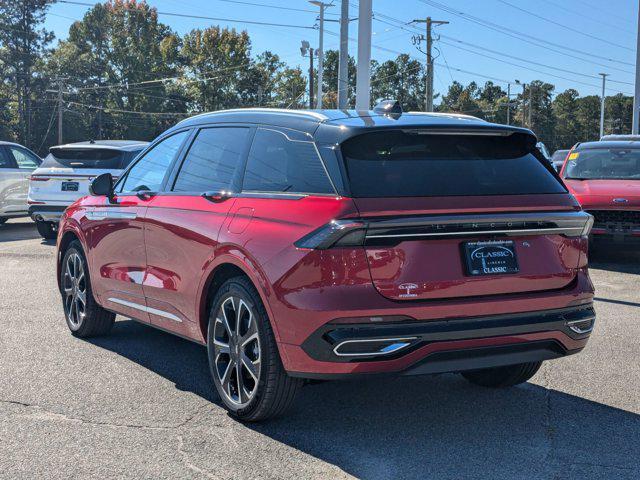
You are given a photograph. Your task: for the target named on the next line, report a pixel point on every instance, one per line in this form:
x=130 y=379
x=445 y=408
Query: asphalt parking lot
x=139 y=404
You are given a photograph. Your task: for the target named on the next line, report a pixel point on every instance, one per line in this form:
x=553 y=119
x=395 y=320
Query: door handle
x=145 y=195
x=217 y=197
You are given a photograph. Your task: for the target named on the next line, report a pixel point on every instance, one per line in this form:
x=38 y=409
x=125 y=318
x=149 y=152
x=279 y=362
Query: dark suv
x=328 y=244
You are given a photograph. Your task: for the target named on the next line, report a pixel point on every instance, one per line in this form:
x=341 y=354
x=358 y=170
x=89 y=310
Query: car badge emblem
x=408 y=287
x=620 y=200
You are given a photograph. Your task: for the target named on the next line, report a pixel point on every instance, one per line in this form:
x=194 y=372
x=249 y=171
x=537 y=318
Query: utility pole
x=363 y=75
x=604 y=82
x=305 y=49
x=429 y=38
x=508 y=104
x=311 y=78
x=530 y=105
x=343 y=63
x=60 y=101
x=524 y=103
x=636 y=99
x=320 y=51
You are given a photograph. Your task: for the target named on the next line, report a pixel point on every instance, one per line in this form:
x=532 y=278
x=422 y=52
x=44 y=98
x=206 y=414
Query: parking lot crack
x=39 y=413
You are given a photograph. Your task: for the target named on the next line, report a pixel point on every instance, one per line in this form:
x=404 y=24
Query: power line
x=588 y=17
x=200 y=17
x=515 y=33
x=564 y=25
x=404 y=26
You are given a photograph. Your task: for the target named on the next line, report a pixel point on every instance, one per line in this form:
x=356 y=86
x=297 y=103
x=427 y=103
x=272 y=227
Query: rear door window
x=6 y=160
x=213 y=160
x=98 y=158
x=24 y=158
x=416 y=163
x=278 y=162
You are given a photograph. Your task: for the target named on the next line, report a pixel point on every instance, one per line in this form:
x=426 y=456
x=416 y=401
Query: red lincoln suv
x=331 y=244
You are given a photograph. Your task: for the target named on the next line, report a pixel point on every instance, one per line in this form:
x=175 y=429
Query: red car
x=329 y=244
x=605 y=178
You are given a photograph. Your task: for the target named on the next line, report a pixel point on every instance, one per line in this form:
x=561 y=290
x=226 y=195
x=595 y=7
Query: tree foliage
x=128 y=75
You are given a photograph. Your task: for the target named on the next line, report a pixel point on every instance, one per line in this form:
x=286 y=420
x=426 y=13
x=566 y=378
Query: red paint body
x=187 y=237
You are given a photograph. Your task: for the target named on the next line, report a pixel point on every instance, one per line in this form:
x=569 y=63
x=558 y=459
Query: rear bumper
x=411 y=348
x=47 y=213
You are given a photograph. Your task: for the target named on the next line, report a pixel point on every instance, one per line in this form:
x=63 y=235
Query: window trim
x=143 y=154
x=283 y=131
x=236 y=182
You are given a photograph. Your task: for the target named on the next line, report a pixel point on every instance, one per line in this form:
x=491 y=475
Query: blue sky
x=596 y=30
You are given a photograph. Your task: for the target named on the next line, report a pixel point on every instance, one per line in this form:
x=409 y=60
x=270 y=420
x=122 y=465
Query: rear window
x=609 y=163
x=415 y=163
x=102 y=158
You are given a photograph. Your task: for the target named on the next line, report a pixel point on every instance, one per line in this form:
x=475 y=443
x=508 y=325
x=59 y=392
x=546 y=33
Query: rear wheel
x=503 y=376
x=243 y=356
x=47 y=230
x=85 y=318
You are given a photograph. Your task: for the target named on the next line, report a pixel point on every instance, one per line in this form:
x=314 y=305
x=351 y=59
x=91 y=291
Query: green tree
x=565 y=109
x=461 y=99
x=618 y=113
x=106 y=60
x=23 y=44
x=588 y=114
x=330 y=79
x=402 y=79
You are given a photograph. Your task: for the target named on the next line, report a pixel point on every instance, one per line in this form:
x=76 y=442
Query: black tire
x=274 y=391
x=500 y=377
x=47 y=230
x=3 y=220
x=92 y=320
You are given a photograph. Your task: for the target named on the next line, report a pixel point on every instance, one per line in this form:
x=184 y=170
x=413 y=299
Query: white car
x=65 y=175
x=16 y=164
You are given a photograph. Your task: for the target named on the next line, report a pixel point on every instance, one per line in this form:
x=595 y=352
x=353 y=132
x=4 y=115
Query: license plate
x=491 y=258
x=70 y=186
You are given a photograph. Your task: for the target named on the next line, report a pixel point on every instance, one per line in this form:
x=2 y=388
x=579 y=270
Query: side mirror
x=102 y=185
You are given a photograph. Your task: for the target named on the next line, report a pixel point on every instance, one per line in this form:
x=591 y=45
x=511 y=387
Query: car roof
x=336 y=125
x=3 y=142
x=608 y=144
x=107 y=144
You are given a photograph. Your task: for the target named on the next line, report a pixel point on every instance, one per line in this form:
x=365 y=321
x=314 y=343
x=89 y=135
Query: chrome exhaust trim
x=393 y=345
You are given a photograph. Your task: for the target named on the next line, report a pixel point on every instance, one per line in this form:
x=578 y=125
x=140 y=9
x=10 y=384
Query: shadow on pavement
x=625 y=259
x=12 y=231
x=420 y=427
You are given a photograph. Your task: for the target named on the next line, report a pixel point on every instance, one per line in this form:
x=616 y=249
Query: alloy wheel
x=75 y=290
x=236 y=350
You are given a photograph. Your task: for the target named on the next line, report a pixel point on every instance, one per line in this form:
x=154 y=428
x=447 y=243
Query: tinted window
x=148 y=172
x=416 y=164
x=24 y=158
x=612 y=163
x=5 y=161
x=212 y=160
x=101 y=158
x=277 y=163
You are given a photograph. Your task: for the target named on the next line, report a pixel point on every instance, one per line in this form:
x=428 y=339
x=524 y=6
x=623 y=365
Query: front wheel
x=47 y=230
x=243 y=356
x=498 y=377
x=85 y=318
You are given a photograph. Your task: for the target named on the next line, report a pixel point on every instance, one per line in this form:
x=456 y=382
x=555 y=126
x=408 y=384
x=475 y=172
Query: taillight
x=587 y=226
x=38 y=178
x=337 y=233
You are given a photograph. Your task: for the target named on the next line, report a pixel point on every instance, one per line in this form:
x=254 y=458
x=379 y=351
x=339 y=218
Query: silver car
x=16 y=165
